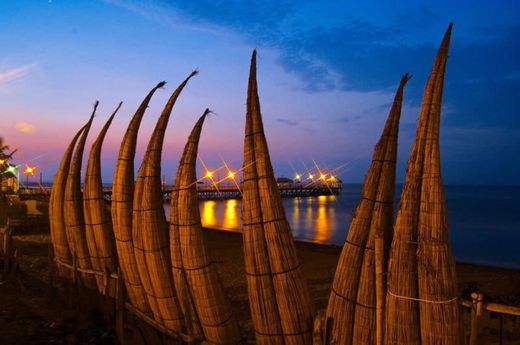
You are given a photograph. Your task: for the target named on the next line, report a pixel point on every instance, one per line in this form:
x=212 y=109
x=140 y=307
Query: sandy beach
x=29 y=315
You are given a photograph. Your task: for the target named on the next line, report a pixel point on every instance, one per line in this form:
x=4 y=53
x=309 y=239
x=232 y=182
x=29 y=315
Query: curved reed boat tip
x=121 y=209
x=99 y=234
x=281 y=307
x=356 y=300
x=73 y=209
x=149 y=226
x=421 y=236
x=200 y=292
x=62 y=252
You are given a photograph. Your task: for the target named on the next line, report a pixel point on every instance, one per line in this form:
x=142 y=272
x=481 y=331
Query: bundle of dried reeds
x=440 y=318
x=281 y=307
x=121 y=208
x=98 y=226
x=150 y=229
x=73 y=208
x=422 y=303
x=56 y=216
x=352 y=305
x=200 y=293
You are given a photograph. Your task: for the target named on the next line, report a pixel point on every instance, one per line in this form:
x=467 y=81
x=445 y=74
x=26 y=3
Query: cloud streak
x=16 y=72
x=287 y=122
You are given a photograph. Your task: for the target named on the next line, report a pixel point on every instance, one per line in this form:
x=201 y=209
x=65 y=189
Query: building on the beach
x=10 y=179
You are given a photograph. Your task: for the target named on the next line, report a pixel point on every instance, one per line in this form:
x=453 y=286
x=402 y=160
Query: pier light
x=29 y=170
x=322 y=176
x=311 y=176
x=231 y=174
x=298 y=177
x=333 y=178
x=2 y=161
x=209 y=174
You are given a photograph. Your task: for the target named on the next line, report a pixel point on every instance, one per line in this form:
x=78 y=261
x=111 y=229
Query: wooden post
x=73 y=283
x=120 y=307
x=105 y=282
x=476 y=313
x=14 y=264
x=52 y=272
x=319 y=333
x=3 y=233
x=501 y=329
x=7 y=248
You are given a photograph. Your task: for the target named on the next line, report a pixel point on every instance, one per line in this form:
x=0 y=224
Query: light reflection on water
x=479 y=217
x=317 y=219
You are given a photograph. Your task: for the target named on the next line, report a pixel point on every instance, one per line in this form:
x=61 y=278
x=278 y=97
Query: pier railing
x=210 y=192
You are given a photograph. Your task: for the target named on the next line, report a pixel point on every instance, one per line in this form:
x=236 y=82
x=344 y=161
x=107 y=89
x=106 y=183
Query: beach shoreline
x=26 y=296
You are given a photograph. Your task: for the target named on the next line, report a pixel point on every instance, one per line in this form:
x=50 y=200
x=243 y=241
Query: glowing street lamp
x=28 y=171
x=311 y=176
x=298 y=177
x=231 y=175
x=322 y=176
x=209 y=174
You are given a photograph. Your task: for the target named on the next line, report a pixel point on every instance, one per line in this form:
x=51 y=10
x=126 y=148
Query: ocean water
x=484 y=221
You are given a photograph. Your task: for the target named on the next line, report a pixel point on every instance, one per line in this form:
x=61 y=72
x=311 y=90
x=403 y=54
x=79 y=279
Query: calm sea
x=484 y=222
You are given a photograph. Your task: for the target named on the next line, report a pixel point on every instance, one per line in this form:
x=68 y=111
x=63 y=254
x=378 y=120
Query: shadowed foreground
x=27 y=317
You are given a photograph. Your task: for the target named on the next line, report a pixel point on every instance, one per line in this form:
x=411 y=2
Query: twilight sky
x=327 y=73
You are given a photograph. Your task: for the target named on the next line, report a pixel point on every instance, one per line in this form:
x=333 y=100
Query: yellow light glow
x=209 y=214
x=2 y=161
x=231 y=215
x=209 y=174
x=333 y=178
x=231 y=174
x=311 y=176
x=322 y=176
x=297 y=177
x=29 y=170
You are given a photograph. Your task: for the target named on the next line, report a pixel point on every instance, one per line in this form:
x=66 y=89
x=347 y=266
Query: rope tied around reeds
x=355 y=302
x=284 y=334
x=97 y=224
x=259 y=177
x=97 y=198
x=270 y=273
x=385 y=160
x=193 y=268
x=254 y=133
x=377 y=201
x=422 y=299
x=150 y=250
x=358 y=245
x=262 y=222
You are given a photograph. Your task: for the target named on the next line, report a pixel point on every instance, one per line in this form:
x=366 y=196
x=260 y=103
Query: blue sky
x=327 y=73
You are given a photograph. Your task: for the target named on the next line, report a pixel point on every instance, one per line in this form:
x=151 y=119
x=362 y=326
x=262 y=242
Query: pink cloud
x=16 y=72
x=25 y=127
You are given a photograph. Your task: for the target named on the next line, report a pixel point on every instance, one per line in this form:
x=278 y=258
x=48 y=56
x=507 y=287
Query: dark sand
x=29 y=316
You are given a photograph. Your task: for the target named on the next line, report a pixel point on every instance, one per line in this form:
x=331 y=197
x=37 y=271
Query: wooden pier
x=210 y=192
